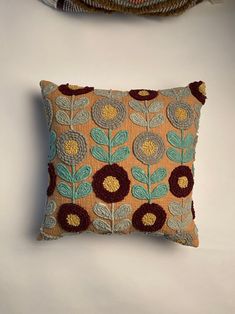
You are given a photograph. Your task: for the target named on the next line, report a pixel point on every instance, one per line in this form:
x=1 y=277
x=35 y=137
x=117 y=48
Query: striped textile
x=140 y=7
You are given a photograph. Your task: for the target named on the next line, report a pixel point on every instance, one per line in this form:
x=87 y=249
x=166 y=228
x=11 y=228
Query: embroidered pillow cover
x=150 y=7
x=121 y=161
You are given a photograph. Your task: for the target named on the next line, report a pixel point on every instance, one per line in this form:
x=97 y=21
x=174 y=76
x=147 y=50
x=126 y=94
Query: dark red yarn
x=64 y=89
x=120 y=174
x=70 y=208
x=153 y=208
x=173 y=181
x=193 y=210
x=194 y=87
x=52 y=179
x=134 y=93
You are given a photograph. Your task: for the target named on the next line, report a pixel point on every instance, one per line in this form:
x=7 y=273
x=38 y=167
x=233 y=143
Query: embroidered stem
x=182 y=150
x=112 y=217
x=149 y=184
x=147 y=115
x=109 y=145
x=73 y=184
x=182 y=203
x=71 y=113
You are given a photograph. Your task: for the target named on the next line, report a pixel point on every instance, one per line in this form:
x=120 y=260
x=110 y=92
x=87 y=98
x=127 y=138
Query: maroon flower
x=198 y=91
x=111 y=183
x=193 y=210
x=70 y=90
x=73 y=218
x=181 y=181
x=149 y=217
x=143 y=94
x=52 y=179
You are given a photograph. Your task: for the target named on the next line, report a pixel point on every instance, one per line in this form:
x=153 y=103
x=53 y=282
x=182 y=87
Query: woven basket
x=140 y=7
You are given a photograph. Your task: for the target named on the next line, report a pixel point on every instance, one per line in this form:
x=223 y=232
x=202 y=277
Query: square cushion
x=121 y=161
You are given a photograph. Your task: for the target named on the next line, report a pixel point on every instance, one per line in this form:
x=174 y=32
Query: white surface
x=92 y=274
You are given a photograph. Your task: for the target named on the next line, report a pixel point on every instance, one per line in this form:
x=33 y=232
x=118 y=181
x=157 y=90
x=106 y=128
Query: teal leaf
x=64 y=190
x=183 y=92
x=63 y=172
x=102 y=211
x=83 y=173
x=62 y=117
x=49 y=222
x=80 y=103
x=83 y=190
x=188 y=141
x=102 y=226
x=173 y=154
x=63 y=102
x=188 y=155
x=137 y=106
x=155 y=106
x=178 y=209
x=174 y=139
x=168 y=93
x=120 y=154
x=138 y=119
x=177 y=224
x=48 y=89
x=51 y=207
x=156 y=121
x=122 y=225
x=81 y=117
x=52 y=137
x=122 y=211
x=139 y=192
x=158 y=175
x=99 y=136
x=139 y=174
x=120 y=138
x=100 y=154
x=159 y=191
x=52 y=149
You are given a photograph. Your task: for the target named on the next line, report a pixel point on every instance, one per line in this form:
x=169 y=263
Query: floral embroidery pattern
x=70 y=104
x=146 y=116
x=73 y=218
x=181 y=181
x=111 y=183
x=143 y=94
x=92 y=180
x=198 y=90
x=109 y=217
x=74 y=90
x=71 y=147
x=148 y=147
x=149 y=218
x=181 y=116
x=108 y=113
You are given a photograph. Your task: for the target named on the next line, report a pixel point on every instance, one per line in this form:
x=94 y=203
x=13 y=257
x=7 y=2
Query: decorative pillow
x=150 y=7
x=121 y=162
